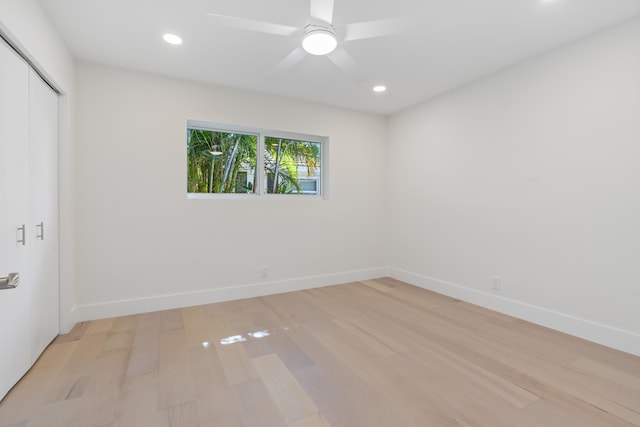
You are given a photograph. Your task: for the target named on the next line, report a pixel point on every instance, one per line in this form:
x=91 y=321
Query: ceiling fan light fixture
x=172 y=39
x=319 y=40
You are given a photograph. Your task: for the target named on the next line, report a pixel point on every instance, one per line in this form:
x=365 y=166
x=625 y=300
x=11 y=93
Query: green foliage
x=210 y=172
x=282 y=160
x=221 y=162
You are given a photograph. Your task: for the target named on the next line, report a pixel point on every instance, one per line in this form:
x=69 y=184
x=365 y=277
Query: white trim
x=13 y=43
x=596 y=332
x=69 y=321
x=602 y=334
x=187 y=299
x=253 y=196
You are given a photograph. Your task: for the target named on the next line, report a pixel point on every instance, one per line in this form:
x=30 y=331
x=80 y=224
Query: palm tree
x=199 y=164
x=216 y=160
x=283 y=159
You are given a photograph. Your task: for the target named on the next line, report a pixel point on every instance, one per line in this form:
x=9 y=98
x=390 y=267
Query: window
x=290 y=164
x=220 y=162
x=225 y=159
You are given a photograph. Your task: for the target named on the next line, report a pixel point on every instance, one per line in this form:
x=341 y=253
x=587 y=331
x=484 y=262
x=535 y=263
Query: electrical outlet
x=496 y=285
x=264 y=271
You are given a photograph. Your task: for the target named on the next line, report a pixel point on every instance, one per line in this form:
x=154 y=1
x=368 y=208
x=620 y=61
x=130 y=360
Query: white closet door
x=15 y=330
x=43 y=213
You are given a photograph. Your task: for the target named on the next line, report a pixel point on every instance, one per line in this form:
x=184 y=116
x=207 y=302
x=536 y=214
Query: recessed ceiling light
x=379 y=88
x=172 y=39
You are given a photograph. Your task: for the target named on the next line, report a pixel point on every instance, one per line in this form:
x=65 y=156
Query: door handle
x=10 y=282
x=23 y=229
x=41 y=235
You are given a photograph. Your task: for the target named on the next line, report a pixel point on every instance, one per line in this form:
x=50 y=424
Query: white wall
x=27 y=27
x=139 y=237
x=532 y=175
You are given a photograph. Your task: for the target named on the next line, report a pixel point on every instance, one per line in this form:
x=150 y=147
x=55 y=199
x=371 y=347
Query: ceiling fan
x=319 y=36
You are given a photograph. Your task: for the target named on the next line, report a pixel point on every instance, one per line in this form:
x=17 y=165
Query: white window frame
x=261 y=134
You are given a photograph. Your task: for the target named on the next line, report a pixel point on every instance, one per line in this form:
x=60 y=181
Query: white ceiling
x=443 y=43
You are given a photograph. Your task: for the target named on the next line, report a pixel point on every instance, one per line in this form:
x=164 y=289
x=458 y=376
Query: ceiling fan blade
x=347 y=64
x=253 y=25
x=322 y=10
x=288 y=62
x=379 y=28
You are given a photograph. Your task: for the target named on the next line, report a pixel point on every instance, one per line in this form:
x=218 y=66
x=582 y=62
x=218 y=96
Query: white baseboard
x=602 y=334
x=187 y=299
x=67 y=322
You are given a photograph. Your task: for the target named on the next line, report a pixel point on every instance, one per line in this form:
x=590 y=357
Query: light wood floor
x=373 y=353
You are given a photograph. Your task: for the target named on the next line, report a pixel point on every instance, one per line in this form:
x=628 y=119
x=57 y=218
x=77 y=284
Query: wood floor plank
x=181 y=415
x=207 y=371
x=377 y=353
x=107 y=372
x=145 y=349
x=291 y=399
x=124 y=323
x=138 y=401
x=119 y=340
x=220 y=410
x=420 y=405
x=478 y=376
x=367 y=321
x=101 y=325
x=293 y=357
x=343 y=396
x=175 y=384
x=378 y=285
x=370 y=338
x=194 y=326
x=216 y=403
x=56 y=414
x=170 y=320
x=77 y=332
x=346 y=400
x=97 y=402
x=236 y=363
x=267 y=335
x=616 y=378
x=38 y=385
x=315 y=420
x=256 y=406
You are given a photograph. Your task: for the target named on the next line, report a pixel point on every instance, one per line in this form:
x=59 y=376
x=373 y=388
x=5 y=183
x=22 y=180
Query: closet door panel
x=43 y=207
x=15 y=333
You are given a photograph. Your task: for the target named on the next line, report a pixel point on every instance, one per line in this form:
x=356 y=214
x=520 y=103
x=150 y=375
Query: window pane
x=292 y=166
x=221 y=162
x=309 y=185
